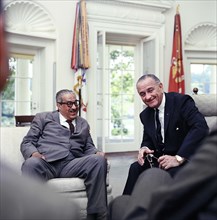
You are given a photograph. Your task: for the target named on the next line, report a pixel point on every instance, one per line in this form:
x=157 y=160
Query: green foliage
x=121 y=63
x=9 y=91
x=7 y=97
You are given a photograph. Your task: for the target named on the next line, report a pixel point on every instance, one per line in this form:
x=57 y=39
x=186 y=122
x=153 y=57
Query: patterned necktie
x=158 y=128
x=71 y=126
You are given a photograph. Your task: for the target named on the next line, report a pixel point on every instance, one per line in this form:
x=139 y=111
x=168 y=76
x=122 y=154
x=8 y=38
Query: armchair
x=72 y=188
x=207 y=105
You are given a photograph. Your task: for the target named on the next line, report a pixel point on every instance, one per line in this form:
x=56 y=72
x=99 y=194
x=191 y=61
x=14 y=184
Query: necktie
x=71 y=126
x=158 y=128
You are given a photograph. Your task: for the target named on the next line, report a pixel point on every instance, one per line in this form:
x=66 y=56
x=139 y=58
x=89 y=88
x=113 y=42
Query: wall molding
x=28 y=18
x=159 y=5
x=202 y=36
x=140 y=13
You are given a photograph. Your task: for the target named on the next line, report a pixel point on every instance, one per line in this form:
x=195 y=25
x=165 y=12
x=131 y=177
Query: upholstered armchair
x=207 y=105
x=72 y=188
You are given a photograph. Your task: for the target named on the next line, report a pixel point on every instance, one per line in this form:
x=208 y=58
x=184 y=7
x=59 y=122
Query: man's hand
x=167 y=161
x=100 y=153
x=142 y=153
x=37 y=154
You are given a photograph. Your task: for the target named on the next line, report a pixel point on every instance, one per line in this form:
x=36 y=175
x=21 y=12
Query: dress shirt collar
x=63 y=121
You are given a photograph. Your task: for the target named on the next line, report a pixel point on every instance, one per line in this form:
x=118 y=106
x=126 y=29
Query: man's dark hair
x=145 y=76
x=62 y=92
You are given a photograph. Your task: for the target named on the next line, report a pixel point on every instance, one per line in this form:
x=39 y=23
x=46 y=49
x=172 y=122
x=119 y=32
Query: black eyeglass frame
x=70 y=104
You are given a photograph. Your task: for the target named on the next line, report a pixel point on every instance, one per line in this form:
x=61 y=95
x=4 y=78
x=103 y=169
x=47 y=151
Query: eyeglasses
x=70 y=104
x=150 y=158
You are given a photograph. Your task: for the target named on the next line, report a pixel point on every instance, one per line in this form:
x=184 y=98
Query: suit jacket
x=190 y=195
x=54 y=141
x=184 y=126
x=193 y=194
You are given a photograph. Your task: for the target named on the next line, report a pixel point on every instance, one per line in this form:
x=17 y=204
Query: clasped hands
x=165 y=161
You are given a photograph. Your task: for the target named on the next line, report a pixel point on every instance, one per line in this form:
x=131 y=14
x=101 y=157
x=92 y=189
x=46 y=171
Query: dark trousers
x=136 y=169
x=134 y=206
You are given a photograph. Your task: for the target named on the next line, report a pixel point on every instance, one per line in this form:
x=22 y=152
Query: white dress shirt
x=64 y=123
x=161 y=115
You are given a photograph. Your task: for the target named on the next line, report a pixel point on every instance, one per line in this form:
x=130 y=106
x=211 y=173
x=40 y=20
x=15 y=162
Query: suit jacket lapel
x=56 y=116
x=151 y=125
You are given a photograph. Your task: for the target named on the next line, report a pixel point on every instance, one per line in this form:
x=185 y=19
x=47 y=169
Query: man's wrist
x=144 y=147
x=179 y=159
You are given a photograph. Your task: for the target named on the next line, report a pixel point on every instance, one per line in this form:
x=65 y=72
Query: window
x=200 y=52
x=116 y=105
x=120 y=94
x=110 y=114
x=17 y=96
x=32 y=62
x=203 y=77
x=116 y=96
x=121 y=59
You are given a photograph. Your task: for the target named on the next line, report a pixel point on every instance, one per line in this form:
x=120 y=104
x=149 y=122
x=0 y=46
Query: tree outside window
x=121 y=70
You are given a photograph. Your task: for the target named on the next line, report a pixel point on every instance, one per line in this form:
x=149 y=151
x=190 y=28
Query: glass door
x=117 y=109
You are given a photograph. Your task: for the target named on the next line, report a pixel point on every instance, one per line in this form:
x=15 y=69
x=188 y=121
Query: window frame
x=43 y=50
x=196 y=56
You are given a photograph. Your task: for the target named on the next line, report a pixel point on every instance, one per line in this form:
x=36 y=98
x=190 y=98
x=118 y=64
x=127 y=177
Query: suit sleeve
x=197 y=127
x=89 y=145
x=29 y=143
x=193 y=188
x=147 y=119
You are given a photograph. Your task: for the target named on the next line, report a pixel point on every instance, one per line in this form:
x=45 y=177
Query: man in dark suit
x=59 y=144
x=190 y=195
x=173 y=129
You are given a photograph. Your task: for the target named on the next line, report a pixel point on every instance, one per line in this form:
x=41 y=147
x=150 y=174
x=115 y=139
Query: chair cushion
x=212 y=122
x=207 y=104
x=73 y=184
x=67 y=184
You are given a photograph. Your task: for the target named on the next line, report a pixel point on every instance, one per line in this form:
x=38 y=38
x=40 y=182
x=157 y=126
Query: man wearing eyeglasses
x=59 y=144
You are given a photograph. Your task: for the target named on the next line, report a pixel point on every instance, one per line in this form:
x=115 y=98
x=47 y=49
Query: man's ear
x=58 y=106
x=161 y=85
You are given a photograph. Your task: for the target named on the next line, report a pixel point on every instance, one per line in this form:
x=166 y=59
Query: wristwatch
x=179 y=159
